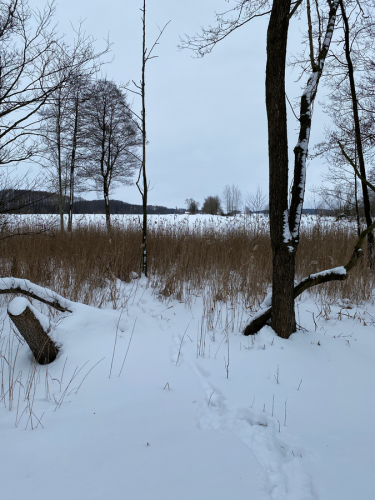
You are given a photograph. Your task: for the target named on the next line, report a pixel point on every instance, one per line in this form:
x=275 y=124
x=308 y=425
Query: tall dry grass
x=228 y=265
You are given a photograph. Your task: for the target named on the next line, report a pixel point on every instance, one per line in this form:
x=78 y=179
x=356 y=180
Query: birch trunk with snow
x=301 y=149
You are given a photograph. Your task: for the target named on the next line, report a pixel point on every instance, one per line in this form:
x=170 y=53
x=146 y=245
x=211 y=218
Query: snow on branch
x=25 y=287
x=262 y=316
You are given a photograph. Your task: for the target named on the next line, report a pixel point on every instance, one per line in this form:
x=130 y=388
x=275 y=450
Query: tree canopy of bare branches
x=111 y=139
x=35 y=62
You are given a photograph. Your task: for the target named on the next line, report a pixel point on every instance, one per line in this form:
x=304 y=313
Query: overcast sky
x=206 y=118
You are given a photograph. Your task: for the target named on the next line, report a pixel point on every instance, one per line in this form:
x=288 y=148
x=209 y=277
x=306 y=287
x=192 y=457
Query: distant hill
x=43 y=202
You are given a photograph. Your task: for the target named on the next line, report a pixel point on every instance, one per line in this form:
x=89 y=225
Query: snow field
x=199 y=411
x=193 y=223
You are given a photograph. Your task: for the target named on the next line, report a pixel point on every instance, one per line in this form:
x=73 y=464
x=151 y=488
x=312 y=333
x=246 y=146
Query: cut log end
x=29 y=326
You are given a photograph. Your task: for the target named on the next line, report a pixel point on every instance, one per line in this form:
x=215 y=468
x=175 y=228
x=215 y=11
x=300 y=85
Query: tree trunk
x=59 y=165
x=144 y=142
x=24 y=318
x=73 y=165
x=283 y=316
x=356 y=201
x=285 y=226
x=337 y=274
x=107 y=211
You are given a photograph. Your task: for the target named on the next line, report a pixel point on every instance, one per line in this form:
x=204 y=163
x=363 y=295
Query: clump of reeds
x=230 y=264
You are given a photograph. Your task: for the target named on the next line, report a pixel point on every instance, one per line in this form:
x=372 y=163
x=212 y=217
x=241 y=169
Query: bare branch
x=246 y=10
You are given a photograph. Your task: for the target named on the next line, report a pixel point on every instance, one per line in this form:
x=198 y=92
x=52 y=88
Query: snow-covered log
x=25 y=287
x=34 y=328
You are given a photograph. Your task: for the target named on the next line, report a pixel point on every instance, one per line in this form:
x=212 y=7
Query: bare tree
x=54 y=138
x=357 y=126
x=111 y=140
x=232 y=198
x=348 y=65
x=227 y=201
x=62 y=141
x=255 y=202
x=236 y=199
x=34 y=63
x=36 y=66
x=78 y=96
x=142 y=183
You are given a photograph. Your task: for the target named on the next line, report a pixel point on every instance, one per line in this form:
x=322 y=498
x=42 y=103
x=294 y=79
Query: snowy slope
x=179 y=422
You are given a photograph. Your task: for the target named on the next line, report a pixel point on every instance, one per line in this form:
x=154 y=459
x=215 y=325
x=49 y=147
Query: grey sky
x=206 y=118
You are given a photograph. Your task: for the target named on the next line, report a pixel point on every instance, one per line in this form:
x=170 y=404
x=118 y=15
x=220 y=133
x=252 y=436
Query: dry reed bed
x=228 y=265
x=229 y=268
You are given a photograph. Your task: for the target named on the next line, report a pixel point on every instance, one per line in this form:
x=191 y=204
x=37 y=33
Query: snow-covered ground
x=161 y=401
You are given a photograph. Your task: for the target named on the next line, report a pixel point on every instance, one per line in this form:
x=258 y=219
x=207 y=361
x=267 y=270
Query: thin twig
x=128 y=347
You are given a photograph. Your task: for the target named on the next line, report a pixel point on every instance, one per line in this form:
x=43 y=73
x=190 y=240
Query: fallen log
x=26 y=287
x=34 y=328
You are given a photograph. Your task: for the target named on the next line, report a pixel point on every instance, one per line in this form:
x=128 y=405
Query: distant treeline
x=42 y=202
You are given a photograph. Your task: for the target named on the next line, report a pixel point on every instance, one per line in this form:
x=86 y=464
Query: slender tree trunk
x=141 y=90
x=104 y=174
x=73 y=165
x=283 y=317
x=59 y=165
x=356 y=196
x=144 y=141
x=107 y=211
x=357 y=128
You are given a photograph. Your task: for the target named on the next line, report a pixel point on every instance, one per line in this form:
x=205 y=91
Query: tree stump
x=33 y=326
